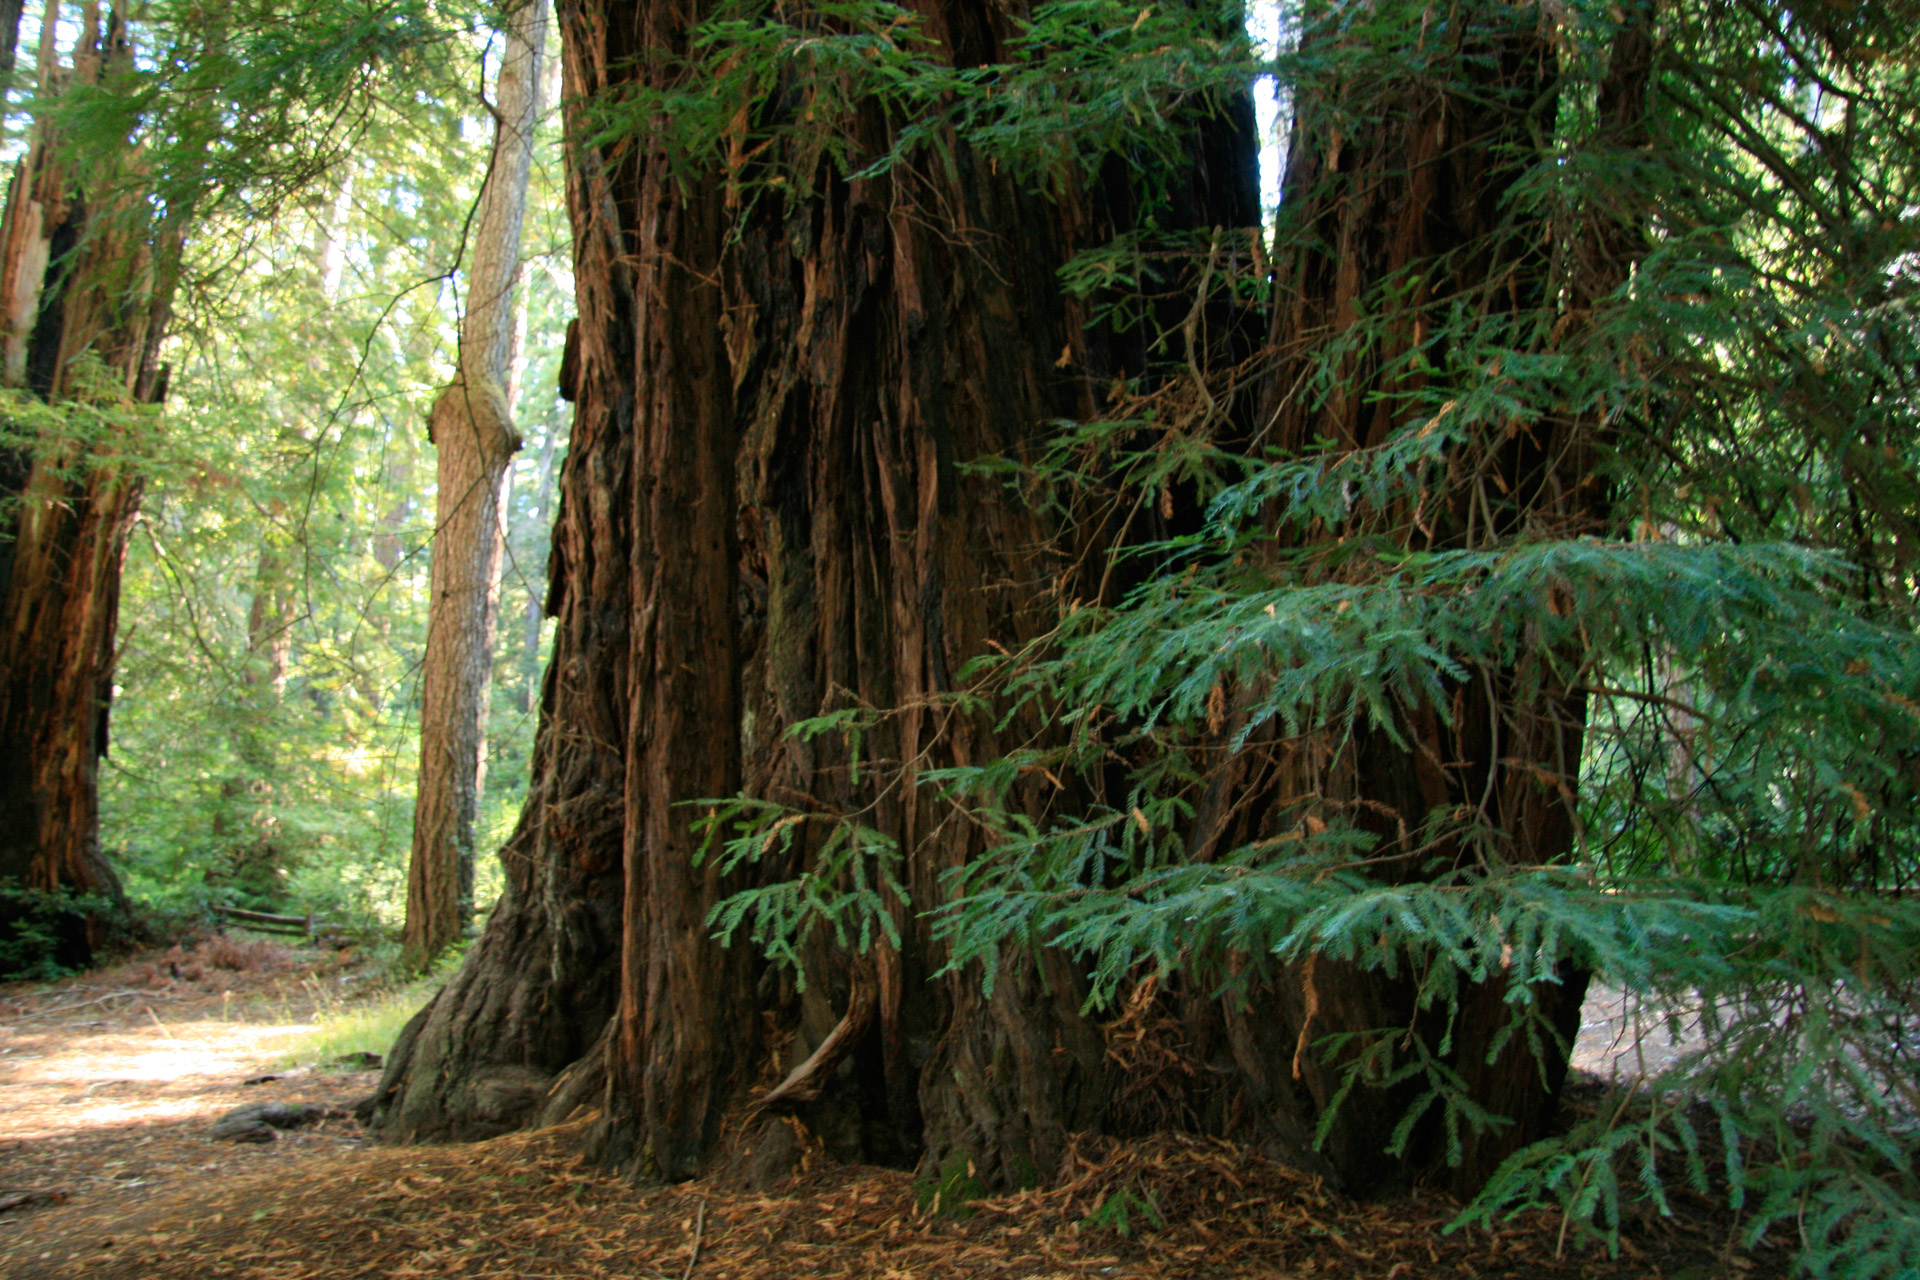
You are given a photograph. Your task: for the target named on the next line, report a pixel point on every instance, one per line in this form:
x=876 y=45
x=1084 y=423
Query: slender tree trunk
x=472 y=429
x=244 y=827
x=330 y=248
x=81 y=274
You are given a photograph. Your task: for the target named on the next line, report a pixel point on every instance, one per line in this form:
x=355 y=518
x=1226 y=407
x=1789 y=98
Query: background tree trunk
x=245 y=827
x=10 y=14
x=81 y=276
x=472 y=429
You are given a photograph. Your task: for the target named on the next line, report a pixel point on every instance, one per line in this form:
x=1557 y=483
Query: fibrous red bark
x=765 y=493
x=1401 y=213
x=767 y=515
x=86 y=279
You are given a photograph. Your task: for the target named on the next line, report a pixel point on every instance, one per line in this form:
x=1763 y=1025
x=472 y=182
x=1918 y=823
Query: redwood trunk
x=1417 y=188
x=765 y=516
x=77 y=279
x=764 y=499
x=1414 y=183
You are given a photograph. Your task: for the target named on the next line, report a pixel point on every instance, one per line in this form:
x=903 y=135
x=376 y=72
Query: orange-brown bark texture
x=766 y=514
x=92 y=280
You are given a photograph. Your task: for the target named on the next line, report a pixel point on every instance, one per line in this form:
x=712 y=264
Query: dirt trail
x=109 y=1083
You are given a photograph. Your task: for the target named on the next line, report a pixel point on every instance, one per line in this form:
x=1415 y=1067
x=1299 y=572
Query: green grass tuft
x=368 y=1026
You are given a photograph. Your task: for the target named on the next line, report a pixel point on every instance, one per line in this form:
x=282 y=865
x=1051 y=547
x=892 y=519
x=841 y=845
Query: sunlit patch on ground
x=110 y=1083
x=119 y=1074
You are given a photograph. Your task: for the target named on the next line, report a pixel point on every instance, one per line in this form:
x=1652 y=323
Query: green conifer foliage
x=1539 y=603
x=266 y=720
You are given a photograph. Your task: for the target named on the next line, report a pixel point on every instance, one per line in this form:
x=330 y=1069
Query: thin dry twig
x=699 y=1233
x=163 y=1026
x=37 y=1195
x=68 y=1008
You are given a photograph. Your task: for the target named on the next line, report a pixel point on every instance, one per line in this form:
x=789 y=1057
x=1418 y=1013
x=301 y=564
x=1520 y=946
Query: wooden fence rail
x=266 y=922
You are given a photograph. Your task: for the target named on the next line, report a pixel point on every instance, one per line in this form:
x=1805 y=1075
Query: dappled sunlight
x=123 y=1072
x=110 y=1083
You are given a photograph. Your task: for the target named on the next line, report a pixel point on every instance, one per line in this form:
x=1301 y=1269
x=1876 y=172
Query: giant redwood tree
x=826 y=343
x=86 y=273
x=768 y=515
x=1410 y=264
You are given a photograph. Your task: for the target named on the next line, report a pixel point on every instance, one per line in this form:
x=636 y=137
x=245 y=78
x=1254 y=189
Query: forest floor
x=110 y=1084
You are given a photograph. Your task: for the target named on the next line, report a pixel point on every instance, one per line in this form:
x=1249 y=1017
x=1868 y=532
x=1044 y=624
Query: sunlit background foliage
x=264 y=734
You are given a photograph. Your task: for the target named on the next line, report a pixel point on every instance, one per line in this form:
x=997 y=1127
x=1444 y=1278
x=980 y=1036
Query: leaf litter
x=322 y=1206
x=529 y=1206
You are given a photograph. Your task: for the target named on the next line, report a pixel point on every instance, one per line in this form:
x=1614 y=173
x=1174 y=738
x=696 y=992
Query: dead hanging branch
x=804 y=1082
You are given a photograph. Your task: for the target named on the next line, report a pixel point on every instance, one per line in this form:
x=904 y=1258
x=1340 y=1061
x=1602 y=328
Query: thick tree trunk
x=765 y=516
x=78 y=279
x=1413 y=183
x=472 y=429
x=537 y=989
x=765 y=479
x=58 y=608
